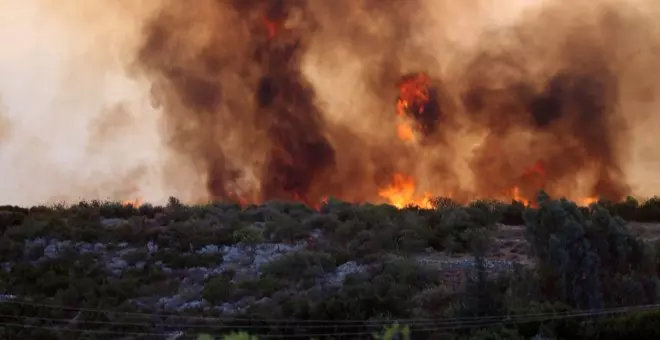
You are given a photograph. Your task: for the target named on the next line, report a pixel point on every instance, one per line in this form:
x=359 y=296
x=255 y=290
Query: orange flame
x=516 y=196
x=535 y=175
x=401 y=193
x=405 y=132
x=413 y=90
x=413 y=94
x=133 y=203
x=587 y=201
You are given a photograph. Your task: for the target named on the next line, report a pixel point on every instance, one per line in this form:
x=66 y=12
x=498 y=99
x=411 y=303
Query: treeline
x=511 y=213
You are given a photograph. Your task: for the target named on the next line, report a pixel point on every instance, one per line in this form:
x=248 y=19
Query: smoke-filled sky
x=295 y=99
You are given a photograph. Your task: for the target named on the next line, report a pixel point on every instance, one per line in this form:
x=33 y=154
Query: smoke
x=298 y=99
x=63 y=76
x=5 y=124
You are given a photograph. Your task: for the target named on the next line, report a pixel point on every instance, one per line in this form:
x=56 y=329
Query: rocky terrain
x=190 y=269
x=91 y=263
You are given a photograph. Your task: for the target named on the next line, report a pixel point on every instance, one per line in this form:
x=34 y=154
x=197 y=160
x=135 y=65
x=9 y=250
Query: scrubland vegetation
x=99 y=270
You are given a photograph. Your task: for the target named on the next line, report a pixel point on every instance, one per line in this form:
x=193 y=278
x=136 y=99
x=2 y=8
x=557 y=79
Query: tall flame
x=401 y=193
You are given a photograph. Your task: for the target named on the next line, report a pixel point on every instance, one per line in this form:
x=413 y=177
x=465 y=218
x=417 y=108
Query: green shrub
x=10 y=218
x=325 y=222
x=176 y=260
x=300 y=265
x=284 y=228
x=264 y=286
x=250 y=235
x=392 y=332
x=218 y=290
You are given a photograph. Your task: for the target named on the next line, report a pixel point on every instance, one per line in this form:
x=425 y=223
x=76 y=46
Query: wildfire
x=237 y=199
x=413 y=93
x=324 y=200
x=133 y=203
x=587 y=201
x=535 y=176
x=401 y=193
x=405 y=131
x=537 y=169
x=272 y=27
x=518 y=197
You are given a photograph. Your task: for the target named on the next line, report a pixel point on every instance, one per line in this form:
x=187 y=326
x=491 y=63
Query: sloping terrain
x=273 y=261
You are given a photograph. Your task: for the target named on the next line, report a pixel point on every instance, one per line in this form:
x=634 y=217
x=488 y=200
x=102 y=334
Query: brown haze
x=364 y=100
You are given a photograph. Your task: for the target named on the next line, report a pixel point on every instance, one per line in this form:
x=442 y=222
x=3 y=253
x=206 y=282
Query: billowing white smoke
x=74 y=125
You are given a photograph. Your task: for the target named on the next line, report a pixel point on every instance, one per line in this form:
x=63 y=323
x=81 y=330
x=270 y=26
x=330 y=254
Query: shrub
x=117 y=210
x=264 y=286
x=10 y=218
x=284 y=228
x=512 y=214
x=300 y=265
x=218 y=290
x=325 y=222
x=250 y=235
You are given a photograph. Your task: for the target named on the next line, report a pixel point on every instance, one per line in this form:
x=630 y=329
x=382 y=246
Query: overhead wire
x=426 y=325
x=313 y=321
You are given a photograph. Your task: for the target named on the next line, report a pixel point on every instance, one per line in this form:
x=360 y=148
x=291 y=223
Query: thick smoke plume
x=540 y=93
x=301 y=100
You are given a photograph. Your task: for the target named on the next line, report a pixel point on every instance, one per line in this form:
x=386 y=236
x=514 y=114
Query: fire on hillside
x=501 y=125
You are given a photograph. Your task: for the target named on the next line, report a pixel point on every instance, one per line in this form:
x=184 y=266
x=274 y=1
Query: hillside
x=283 y=270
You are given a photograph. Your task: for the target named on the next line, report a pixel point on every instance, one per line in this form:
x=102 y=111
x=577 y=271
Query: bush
x=299 y=266
x=218 y=290
x=284 y=228
x=584 y=257
x=248 y=236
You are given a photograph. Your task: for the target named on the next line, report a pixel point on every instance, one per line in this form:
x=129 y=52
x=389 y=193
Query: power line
x=447 y=325
x=92 y=331
x=180 y=325
x=334 y=322
x=468 y=325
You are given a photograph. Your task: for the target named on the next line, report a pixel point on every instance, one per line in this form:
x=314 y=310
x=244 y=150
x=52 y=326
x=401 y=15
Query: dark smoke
x=297 y=151
x=573 y=117
x=239 y=107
